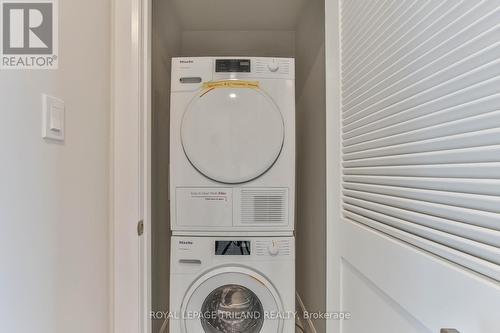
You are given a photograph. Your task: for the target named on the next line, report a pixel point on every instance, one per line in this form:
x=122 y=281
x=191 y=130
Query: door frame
x=130 y=167
x=333 y=162
x=130 y=182
x=130 y=164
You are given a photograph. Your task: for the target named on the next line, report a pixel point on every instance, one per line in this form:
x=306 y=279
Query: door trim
x=333 y=160
x=130 y=179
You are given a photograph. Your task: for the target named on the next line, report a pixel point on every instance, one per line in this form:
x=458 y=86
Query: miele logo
x=185 y=242
x=187 y=61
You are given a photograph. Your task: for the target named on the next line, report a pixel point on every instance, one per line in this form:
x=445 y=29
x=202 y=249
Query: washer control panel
x=193 y=254
x=268 y=247
x=273 y=247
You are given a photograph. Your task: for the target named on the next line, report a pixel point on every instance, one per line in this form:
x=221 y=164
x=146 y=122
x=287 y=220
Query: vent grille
x=264 y=206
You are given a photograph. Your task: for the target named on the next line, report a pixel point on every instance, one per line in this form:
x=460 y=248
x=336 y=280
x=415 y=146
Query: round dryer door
x=231 y=300
x=232 y=135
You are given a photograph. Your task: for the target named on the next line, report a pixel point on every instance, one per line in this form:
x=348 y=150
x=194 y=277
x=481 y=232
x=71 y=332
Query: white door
x=415 y=242
x=131 y=160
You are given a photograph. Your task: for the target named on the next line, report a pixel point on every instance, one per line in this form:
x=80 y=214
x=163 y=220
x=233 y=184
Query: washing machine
x=232 y=284
x=232 y=145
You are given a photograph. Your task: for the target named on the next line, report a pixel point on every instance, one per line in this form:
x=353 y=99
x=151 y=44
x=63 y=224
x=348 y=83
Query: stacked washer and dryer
x=232 y=195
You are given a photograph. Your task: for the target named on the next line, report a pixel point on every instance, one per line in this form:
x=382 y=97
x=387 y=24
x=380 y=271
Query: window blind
x=421 y=124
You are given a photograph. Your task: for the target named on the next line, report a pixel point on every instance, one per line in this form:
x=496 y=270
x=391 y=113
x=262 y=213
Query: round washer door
x=231 y=300
x=232 y=135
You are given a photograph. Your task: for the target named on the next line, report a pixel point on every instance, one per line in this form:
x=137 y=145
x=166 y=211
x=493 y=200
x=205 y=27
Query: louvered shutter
x=421 y=124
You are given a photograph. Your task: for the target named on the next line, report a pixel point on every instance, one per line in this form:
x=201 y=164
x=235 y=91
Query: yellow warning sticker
x=230 y=84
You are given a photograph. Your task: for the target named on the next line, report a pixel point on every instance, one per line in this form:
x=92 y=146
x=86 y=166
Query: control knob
x=273 y=67
x=273 y=248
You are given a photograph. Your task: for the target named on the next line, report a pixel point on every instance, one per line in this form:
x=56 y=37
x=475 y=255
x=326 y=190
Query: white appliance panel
x=238 y=136
x=200 y=207
x=240 y=275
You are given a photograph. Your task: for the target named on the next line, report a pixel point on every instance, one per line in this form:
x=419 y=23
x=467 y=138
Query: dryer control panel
x=232 y=65
x=264 y=68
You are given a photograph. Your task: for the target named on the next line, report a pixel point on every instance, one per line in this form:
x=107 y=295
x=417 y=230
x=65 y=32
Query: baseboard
x=302 y=308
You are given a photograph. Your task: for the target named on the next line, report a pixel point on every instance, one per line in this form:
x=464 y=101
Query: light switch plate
x=53 y=118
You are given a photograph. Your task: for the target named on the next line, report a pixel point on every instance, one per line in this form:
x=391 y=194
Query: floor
x=300 y=323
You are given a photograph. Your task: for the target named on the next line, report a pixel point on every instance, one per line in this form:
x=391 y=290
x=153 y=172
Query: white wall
x=307 y=45
x=53 y=197
x=238 y=43
x=169 y=40
x=166 y=41
x=311 y=159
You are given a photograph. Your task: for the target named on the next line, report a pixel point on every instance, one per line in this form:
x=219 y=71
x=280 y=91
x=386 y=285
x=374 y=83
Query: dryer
x=232 y=145
x=232 y=284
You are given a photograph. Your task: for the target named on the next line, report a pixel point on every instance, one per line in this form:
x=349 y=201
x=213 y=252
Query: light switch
x=56 y=116
x=53 y=118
